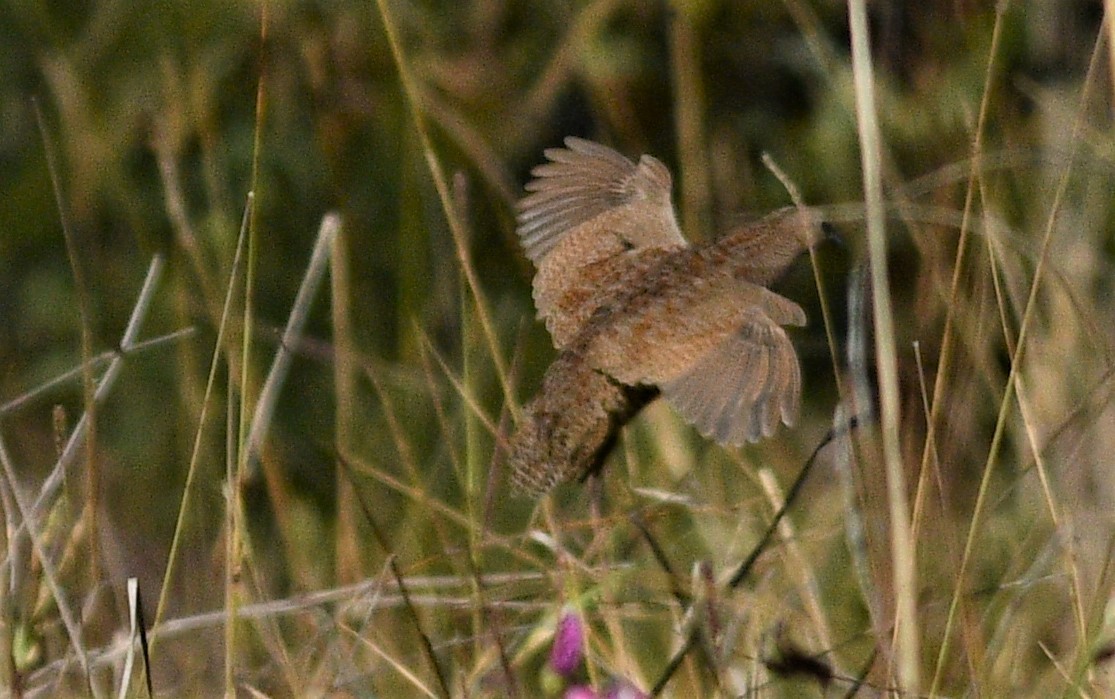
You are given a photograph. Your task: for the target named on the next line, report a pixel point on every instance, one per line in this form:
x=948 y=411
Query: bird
x=636 y=311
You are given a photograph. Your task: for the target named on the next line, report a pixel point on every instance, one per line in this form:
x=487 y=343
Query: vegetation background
x=367 y=542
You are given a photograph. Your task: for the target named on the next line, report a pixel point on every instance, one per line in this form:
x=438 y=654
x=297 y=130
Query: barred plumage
x=634 y=310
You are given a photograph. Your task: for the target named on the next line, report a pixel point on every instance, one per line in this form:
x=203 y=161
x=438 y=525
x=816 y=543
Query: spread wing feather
x=632 y=307
x=743 y=387
x=657 y=336
x=585 y=180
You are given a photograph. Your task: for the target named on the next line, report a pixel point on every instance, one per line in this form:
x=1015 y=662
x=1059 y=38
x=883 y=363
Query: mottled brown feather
x=587 y=181
x=633 y=309
x=568 y=430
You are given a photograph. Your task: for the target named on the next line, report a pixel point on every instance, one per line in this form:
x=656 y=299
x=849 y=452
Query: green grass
x=295 y=221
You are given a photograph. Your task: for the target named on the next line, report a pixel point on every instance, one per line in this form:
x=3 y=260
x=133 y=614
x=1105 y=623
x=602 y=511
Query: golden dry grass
x=363 y=537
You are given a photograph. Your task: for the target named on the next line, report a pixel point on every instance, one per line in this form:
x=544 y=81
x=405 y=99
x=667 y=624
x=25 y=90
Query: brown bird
x=635 y=310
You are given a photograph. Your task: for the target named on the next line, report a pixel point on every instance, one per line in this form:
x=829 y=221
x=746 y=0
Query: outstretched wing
x=585 y=180
x=715 y=348
x=743 y=387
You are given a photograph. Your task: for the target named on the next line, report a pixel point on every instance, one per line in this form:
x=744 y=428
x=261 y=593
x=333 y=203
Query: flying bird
x=636 y=311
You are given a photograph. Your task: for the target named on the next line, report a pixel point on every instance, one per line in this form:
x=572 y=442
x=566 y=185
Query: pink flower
x=579 y=691
x=568 y=650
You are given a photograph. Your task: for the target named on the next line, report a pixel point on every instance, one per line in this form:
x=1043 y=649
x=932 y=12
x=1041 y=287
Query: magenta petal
x=579 y=691
x=568 y=649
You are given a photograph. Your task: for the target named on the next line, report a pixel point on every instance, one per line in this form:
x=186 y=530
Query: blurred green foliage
x=155 y=111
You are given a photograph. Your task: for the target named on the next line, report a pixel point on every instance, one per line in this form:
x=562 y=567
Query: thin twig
x=348 y=598
x=69 y=620
x=100 y=360
x=689 y=118
x=296 y=322
x=385 y=544
x=764 y=541
x=50 y=487
x=453 y=217
x=92 y=474
x=195 y=453
x=1016 y=362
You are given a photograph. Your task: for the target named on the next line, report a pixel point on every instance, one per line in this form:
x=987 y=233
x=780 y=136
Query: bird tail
x=568 y=429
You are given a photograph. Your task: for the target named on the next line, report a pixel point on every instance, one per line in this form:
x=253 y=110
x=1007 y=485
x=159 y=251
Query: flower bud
x=568 y=650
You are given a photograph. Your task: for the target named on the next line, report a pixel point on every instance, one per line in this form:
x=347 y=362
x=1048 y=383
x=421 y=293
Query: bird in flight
x=636 y=311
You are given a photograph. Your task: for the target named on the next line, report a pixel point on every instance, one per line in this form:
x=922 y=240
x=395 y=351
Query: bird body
x=634 y=309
